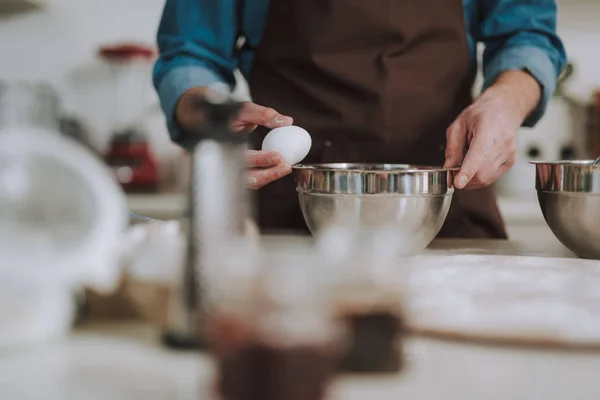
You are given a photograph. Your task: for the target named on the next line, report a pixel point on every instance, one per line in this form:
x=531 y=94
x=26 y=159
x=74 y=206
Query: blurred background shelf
x=19 y=6
x=516 y=211
x=524 y=210
x=158 y=206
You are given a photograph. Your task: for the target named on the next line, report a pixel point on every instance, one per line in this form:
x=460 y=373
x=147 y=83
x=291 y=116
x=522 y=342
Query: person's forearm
x=197 y=41
x=519 y=88
x=187 y=114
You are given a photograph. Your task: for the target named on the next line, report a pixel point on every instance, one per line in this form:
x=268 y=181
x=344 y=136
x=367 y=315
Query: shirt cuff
x=531 y=59
x=176 y=83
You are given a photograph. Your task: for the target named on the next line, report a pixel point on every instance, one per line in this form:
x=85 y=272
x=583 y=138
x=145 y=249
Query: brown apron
x=374 y=81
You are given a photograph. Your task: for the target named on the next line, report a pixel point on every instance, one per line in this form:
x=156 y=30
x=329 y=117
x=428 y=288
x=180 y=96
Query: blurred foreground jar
x=271 y=326
x=365 y=277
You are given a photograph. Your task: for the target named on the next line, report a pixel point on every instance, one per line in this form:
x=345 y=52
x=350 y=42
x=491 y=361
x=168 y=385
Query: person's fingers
x=242 y=127
x=484 y=178
x=253 y=114
x=258 y=178
x=544 y=175
x=491 y=172
x=261 y=159
x=456 y=141
x=477 y=155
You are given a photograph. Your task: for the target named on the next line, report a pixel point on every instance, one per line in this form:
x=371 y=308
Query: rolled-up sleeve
x=521 y=35
x=197 y=43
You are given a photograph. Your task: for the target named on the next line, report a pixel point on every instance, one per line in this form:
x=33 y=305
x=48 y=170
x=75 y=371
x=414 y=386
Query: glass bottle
x=272 y=329
x=366 y=280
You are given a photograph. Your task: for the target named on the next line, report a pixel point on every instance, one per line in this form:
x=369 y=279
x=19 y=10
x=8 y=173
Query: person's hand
x=263 y=167
x=252 y=115
x=487 y=130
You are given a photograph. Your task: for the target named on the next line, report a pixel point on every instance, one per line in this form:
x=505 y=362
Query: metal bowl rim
x=586 y=193
x=310 y=192
x=567 y=163
x=384 y=168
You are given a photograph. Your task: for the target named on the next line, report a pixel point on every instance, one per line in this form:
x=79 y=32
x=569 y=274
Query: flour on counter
x=507 y=298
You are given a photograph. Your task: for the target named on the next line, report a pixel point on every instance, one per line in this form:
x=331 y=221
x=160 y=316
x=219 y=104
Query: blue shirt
x=197 y=41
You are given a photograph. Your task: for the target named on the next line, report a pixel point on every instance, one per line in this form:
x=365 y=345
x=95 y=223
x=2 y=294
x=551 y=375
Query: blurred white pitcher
x=62 y=218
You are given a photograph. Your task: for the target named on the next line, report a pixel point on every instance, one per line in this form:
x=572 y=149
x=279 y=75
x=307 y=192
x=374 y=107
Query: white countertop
x=122 y=362
x=126 y=361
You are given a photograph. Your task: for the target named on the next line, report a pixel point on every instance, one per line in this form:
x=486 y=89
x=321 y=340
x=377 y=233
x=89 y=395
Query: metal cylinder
x=218 y=208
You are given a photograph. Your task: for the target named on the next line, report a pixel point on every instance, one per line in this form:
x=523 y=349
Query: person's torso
x=255 y=13
x=374 y=82
x=380 y=81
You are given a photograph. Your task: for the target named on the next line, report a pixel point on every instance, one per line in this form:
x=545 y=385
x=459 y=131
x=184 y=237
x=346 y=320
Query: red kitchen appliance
x=129 y=153
x=135 y=166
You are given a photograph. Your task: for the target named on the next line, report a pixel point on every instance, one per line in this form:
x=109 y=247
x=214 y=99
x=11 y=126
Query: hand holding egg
x=292 y=142
x=281 y=148
x=263 y=167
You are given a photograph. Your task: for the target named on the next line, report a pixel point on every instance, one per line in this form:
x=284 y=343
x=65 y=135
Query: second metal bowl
x=413 y=200
x=569 y=195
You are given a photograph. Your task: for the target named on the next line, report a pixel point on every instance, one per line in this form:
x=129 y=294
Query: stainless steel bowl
x=413 y=200
x=569 y=195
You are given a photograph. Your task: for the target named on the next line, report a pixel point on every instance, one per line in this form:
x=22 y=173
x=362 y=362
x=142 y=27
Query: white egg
x=292 y=142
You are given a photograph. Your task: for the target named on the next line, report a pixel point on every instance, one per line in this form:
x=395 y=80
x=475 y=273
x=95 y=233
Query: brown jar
x=273 y=334
x=365 y=276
